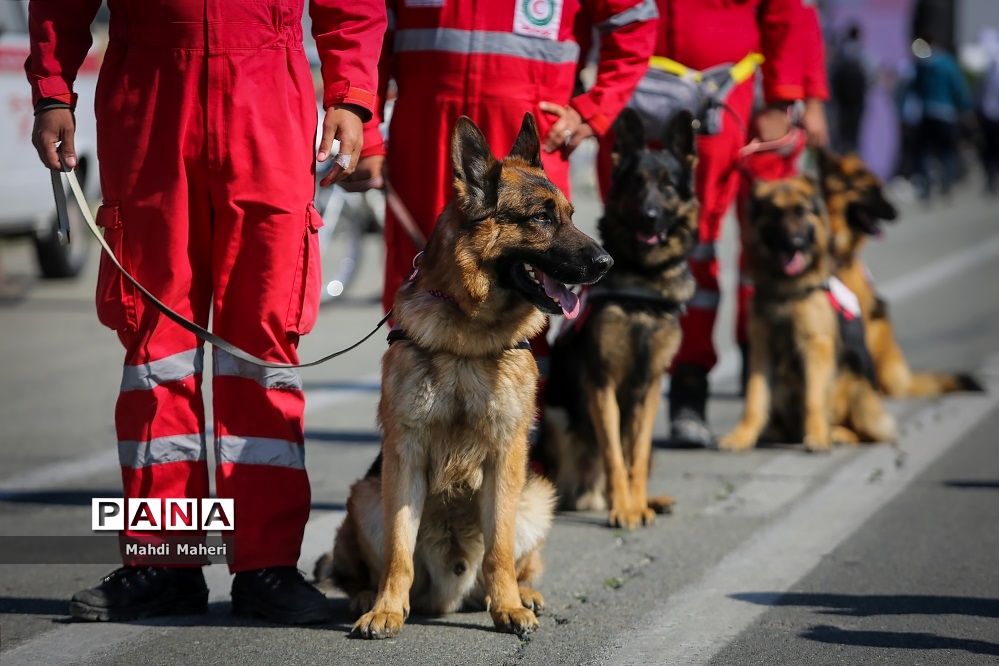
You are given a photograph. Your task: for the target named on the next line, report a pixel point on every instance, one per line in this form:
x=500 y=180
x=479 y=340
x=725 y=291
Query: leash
x=199 y=331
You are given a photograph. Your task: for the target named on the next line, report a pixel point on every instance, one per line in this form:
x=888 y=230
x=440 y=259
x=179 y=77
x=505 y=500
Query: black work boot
x=279 y=594
x=688 y=398
x=130 y=593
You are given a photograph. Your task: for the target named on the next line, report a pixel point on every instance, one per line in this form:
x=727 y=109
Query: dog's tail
x=534 y=514
x=929 y=384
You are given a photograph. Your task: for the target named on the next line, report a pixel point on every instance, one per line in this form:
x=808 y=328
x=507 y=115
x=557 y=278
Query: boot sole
x=251 y=608
x=88 y=613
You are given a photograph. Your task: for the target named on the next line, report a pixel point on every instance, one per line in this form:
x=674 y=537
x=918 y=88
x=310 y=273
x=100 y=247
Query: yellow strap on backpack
x=740 y=71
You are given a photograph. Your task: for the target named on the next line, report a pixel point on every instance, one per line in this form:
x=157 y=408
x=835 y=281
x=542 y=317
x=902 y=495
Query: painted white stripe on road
x=694 y=624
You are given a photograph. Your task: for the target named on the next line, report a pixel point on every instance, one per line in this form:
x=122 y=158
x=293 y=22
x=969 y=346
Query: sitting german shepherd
x=803 y=382
x=449 y=516
x=606 y=374
x=857 y=205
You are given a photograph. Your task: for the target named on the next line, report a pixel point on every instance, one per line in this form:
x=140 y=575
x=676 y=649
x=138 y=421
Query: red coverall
x=493 y=61
x=701 y=34
x=206 y=118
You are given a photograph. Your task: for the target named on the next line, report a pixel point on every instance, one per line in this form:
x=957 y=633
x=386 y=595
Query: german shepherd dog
x=449 y=515
x=802 y=382
x=857 y=206
x=606 y=375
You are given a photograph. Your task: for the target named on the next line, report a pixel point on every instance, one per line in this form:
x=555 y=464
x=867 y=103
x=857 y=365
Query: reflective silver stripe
x=227 y=365
x=481 y=42
x=159 y=450
x=703 y=252
x=145 y=376
x=643 y=11
x=705 y=300
x=259 y=451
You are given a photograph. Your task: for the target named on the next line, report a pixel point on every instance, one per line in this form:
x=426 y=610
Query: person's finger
x=45 y=143
x=346 y=159
x=549 y=107
x=67 y=149
x=555 y=138
x=326 y=144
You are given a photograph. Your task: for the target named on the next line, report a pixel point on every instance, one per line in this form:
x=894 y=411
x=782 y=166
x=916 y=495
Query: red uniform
x=206 y=118
x=494 y=61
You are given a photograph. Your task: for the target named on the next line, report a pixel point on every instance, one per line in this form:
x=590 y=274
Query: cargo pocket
x=304 y=307
x=115 y=298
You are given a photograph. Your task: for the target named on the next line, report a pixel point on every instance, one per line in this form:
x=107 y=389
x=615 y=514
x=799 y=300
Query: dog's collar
x=650 y=296
x=400 y=335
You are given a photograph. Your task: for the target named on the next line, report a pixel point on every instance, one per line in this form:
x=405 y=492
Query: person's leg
x=266 y=279
x=155 y=217
x=717 y=182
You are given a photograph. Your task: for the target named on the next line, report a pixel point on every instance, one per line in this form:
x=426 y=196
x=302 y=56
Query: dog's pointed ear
x=679 y=137
x=828 y=161
x=527 y=145
x=474 y=168
x=629 y=135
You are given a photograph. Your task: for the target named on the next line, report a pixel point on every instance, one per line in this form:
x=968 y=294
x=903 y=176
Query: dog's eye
x=542 y=218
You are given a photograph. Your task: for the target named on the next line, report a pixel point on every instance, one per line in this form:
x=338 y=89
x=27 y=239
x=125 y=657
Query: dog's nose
x=603 y=262
x=652 y=213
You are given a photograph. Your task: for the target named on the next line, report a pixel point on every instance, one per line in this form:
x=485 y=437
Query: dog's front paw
x=740 y=439
x=531 y=598
x=379 y=624
x=629 y=518
x=661 y=503
x=818 y=442
x=520 y=621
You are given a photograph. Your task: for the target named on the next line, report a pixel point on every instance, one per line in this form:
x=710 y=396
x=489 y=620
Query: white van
x=26 y=202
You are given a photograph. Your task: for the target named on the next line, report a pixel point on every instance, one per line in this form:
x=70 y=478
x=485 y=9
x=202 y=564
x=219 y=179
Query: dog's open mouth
x=652 y=239
x=548 y=294
x=864 y=222
x=793 y=263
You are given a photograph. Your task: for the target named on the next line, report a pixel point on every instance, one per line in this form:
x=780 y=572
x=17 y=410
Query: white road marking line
x=694 y=624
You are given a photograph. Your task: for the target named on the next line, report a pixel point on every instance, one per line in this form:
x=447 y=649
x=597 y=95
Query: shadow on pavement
x=898 y=639
x=867 y=605
x=972 y=484
x=33 y=606
x=343 y=436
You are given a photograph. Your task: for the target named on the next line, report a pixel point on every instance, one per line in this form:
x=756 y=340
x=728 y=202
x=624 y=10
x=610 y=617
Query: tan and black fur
x=449 y=517
x=802 y=387
x=855 y=199
x=606 y=379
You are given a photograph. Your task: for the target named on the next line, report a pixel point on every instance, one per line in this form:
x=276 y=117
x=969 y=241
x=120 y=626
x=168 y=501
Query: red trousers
x=206 y=135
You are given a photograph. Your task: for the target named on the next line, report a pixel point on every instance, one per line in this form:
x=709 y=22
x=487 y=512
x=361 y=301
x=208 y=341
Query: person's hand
x=344 y=123
x=51 y=127
x=369 y=175
x=772 y=123
x=815 y=123
x=568 y=131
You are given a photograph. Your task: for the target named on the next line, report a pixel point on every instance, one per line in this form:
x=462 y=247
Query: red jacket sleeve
x=814 y=74
x=374 y=142
x=59 y=31
x=627 y=37
x=783 y=69
x=349 y=37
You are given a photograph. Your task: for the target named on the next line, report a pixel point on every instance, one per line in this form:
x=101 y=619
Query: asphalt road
x=867 y=555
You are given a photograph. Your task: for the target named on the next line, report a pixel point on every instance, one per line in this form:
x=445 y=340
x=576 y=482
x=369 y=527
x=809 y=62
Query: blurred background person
x=943 y=96
x=988 y=110
x=848 y=81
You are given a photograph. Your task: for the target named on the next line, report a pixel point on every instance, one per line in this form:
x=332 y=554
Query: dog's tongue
x=559 y=292
x=794 y=264
x=648 y=239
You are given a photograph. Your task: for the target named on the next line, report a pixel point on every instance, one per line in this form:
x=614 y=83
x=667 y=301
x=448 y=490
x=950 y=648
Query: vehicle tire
x=58 y=261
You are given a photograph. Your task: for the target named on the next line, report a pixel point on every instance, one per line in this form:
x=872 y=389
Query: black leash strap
x=199 y=331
